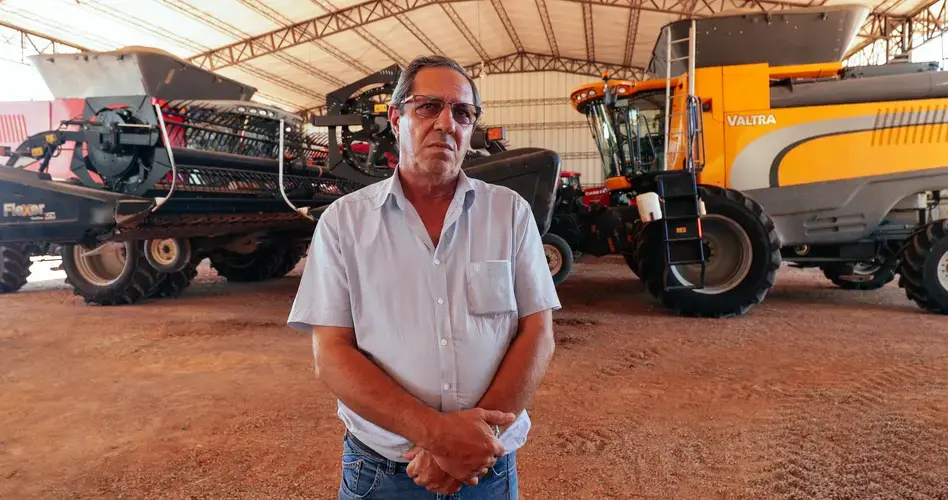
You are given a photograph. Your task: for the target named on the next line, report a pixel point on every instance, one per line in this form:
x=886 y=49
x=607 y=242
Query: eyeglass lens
x=430 y=107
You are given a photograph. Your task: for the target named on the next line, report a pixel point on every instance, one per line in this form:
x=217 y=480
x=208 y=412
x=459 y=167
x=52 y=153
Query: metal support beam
x=570 y=125
x=513 y=103
x=266 y=11
x=547 y=26
x=581 y=155
x=508 y=25
x=306 y=31
x=459 y=23
x=420 y=35
x=31 y=43
x=207 y=19
x=701 y=8
x=526 y=62
x=631 y=32
x=887 y=36
x=588 y=32
x=365 y=35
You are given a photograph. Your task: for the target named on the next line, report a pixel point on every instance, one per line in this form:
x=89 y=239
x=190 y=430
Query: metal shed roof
x=296 y=51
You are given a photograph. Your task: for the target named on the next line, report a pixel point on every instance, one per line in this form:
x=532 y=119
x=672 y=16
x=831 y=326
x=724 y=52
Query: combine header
x=756 y=148
x=168 y=164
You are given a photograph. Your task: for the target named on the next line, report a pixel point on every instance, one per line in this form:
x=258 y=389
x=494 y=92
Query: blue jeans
x=366 y=475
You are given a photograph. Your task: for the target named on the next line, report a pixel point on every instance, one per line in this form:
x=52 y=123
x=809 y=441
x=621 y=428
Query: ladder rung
x=679 y=240
x=678 y=59
x=684 y=262
x=680 y=40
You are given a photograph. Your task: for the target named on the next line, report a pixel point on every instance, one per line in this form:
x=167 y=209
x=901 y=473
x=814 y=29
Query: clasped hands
x=463 y=448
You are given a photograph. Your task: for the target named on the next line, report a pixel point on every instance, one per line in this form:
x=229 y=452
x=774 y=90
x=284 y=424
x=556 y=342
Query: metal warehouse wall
x=535 y=109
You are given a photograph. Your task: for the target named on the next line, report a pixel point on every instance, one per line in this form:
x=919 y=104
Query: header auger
x=164 y=164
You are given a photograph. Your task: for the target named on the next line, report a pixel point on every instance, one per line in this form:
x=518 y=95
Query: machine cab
x=627 y=121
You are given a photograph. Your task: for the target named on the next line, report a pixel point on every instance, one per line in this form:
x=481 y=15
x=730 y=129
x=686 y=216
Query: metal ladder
x=678 y=189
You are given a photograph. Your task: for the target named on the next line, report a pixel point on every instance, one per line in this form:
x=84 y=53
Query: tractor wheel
x=742 y=256
x=264 y=263
x=924 y=268
x=291 y=257
x=860 y=275
x=174 y=284
x=559 y=256
x=112 y=273
x=14 y=266
x=631 y=256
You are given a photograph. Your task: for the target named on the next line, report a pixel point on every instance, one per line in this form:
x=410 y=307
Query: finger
x=471 y=481
x=494 y=417
x=411 y=453
x=499 y=449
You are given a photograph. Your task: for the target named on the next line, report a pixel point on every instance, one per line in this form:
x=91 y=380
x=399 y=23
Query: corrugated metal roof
x=298 y=77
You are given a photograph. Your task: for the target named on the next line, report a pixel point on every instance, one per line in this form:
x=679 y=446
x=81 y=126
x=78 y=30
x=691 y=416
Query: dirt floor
x=818 y=393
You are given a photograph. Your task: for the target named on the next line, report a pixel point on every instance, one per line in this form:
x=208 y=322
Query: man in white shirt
x=430 y=303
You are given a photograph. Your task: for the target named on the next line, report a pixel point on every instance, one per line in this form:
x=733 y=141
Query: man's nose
x=445 y=120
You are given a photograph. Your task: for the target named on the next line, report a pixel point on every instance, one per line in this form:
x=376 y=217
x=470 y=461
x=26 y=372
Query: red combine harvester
x=144 y=165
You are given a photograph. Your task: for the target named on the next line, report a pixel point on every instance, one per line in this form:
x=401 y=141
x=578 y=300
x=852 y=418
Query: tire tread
x=14 y=266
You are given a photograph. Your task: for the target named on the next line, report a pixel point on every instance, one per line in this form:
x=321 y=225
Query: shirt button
x=437 y=262
x=444 y=342
x=441 y=301
x=447 y=386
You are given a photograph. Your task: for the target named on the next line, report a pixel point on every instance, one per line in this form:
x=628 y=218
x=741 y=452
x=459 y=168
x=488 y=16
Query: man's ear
x=394 y=118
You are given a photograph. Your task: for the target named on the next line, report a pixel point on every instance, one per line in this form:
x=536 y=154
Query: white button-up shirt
x=438 y=320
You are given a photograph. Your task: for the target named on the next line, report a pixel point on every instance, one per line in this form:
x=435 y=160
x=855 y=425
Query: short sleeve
x=323 y=295
x=533 y=282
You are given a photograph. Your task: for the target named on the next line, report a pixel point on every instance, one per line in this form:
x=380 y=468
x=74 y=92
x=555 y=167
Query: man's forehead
x=442 y=82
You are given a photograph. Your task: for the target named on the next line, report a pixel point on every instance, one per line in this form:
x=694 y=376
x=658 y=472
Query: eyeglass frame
x=449 y=104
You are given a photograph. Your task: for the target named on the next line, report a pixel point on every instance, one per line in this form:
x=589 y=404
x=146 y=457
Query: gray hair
x=407 y=77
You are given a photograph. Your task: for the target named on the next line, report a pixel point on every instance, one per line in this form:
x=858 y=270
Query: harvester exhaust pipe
x=304 y=211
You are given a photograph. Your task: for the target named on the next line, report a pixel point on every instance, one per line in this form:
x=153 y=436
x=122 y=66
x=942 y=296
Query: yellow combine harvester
x=758 y=147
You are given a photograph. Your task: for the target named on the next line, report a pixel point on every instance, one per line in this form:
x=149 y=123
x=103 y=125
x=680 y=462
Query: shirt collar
x=392 y=189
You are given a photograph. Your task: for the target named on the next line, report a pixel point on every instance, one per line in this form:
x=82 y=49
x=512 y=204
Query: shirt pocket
x=490 y=287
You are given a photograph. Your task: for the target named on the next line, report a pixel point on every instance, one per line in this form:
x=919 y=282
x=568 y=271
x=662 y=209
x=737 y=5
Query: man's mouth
x=441 y=145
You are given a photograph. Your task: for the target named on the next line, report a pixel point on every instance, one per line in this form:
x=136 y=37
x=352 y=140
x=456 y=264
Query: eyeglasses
x=428 y=106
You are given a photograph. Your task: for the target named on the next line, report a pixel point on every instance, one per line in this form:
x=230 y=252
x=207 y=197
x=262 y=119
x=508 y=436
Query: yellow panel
x=746 y=87
x=867 y=153
x=708 y=88
x=833 y=143
x=818 y=70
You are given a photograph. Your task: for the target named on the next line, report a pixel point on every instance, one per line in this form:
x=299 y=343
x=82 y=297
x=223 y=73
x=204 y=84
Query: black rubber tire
x=918 y=272
x=838 y=273
x=631 y=256
x=291 y=257
x=174 y=284
x=136 y=281
x=14 y=266
x=264 y=263
x=565 y=252
x=760 y=277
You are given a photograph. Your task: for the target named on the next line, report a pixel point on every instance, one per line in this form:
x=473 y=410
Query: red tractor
x=583 y=224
